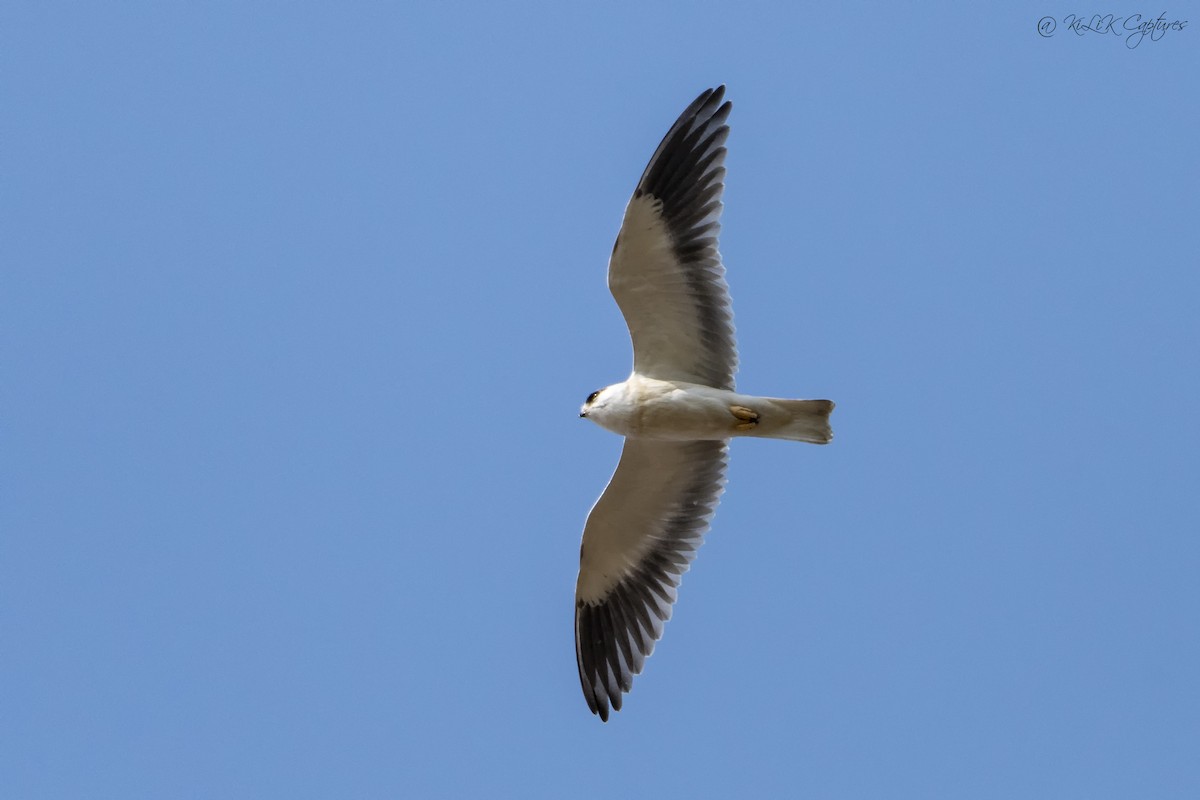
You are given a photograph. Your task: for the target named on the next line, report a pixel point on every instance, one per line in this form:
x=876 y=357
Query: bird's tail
x=797 y=420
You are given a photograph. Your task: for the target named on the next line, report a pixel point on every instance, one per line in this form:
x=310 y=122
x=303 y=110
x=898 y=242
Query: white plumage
x=677 y=411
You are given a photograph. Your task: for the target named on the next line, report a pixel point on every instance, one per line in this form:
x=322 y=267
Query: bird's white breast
x=648 y=408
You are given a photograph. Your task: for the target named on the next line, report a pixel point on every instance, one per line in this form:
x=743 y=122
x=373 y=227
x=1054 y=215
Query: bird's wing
x=665 y=271
x=640 y=538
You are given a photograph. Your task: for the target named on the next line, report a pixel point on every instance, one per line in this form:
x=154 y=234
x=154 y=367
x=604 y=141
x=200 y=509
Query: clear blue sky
x=299 y=304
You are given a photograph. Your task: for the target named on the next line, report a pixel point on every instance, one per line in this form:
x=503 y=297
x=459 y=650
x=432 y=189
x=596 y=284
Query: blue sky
x=299 y=304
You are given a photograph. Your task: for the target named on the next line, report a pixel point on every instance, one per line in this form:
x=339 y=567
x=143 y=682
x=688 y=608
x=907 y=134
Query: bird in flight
x=677 y=410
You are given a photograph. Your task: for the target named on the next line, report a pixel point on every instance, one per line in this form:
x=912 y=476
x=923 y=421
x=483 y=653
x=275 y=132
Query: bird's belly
x=681 y=413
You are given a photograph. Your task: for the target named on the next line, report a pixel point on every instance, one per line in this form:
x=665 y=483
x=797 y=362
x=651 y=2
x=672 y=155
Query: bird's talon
x=747 y=417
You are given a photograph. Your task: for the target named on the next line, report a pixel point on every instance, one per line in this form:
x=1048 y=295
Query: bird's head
x=596 y=401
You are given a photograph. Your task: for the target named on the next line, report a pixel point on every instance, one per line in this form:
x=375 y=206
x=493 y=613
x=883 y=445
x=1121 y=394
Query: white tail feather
x=796 y=420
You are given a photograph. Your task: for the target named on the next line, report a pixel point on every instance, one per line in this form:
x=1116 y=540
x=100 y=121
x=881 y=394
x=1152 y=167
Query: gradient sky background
x=298 y=307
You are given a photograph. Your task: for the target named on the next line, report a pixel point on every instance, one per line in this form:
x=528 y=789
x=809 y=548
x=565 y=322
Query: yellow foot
x=747 y=418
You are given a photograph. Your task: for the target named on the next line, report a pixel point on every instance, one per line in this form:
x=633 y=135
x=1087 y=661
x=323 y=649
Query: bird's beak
x=582 y=414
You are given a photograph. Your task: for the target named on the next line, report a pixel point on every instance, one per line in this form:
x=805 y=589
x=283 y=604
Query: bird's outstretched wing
x=640 y=538
x=665 y=271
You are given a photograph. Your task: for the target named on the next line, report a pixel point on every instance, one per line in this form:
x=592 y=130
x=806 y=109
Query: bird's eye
x=592 y=397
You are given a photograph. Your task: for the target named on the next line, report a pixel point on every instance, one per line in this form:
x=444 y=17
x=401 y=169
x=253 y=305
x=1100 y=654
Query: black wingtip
x=691 y=154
